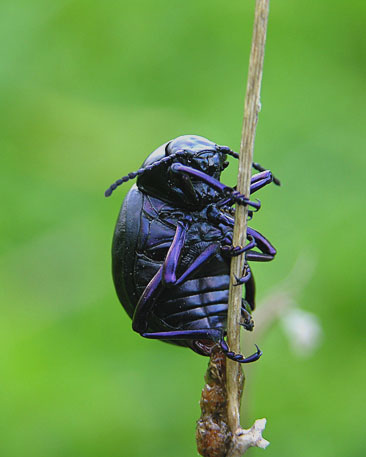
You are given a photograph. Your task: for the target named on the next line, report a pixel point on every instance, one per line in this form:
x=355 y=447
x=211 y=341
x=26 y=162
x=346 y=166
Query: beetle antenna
x=259 y=167
x=255 y=165
x=228 y=151
x=140 y=171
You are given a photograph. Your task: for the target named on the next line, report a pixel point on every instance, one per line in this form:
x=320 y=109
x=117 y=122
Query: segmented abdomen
x=196 y=304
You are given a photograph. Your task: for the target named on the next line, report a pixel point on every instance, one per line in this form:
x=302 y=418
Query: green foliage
x=87 y=90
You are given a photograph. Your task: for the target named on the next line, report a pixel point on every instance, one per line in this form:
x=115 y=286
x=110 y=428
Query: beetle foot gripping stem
x=240 y=199
x=247 y=274
x=234 y=251
x=238 y=357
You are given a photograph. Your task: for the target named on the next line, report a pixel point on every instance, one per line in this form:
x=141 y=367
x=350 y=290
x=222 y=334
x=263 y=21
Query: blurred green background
x=87 y=90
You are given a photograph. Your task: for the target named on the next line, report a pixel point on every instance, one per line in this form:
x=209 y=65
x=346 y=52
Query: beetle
x=173 y=243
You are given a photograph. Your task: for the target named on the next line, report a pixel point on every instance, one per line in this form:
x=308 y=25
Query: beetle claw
x=248 y=324
x=244 y=278
x=239 y=357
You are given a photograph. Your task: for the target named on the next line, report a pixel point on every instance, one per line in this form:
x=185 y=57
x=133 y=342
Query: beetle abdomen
x=199 y=303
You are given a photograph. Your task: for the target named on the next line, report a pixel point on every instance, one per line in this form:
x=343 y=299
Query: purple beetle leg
x=211 y=334
x=153 y=289
x=234 y=251
x=259 y=176
x=146 y=301
x=241 y=199
x=238 y=357
x=166 y=276
x=248 y=322
x=202 y=258
x=214 y=183
x=260 y=180
x=217 y=215
x=224 y=202
x=223 y=218
x=228 y=240
x=172 y=259
x=231 y=210
x=250 y=292
x=173 y=256
x=246 y=276
x=259 y=167
x=268 y=251
x=257 y=182
x=210 y=251
x=183 y=169
x=254 y=256
x=215 y=335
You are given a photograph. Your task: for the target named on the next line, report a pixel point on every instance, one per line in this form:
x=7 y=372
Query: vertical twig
x=218 y=430
x=251 y=110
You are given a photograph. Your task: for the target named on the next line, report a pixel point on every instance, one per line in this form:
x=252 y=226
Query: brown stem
x=251 y=110
x=218 y=430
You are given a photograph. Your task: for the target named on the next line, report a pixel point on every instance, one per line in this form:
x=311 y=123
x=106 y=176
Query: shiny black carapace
x=173 y=243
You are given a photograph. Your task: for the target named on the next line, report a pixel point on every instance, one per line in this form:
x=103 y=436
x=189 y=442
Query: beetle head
x=199 y=153
x=191 y=150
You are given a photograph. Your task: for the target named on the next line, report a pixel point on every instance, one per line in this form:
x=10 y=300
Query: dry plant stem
x=251 y=110
x=218 y=430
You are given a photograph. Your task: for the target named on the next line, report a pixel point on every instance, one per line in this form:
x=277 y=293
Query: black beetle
x=173 y=243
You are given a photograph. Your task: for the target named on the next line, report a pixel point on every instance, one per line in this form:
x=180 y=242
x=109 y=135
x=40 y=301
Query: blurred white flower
x=304 y=331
